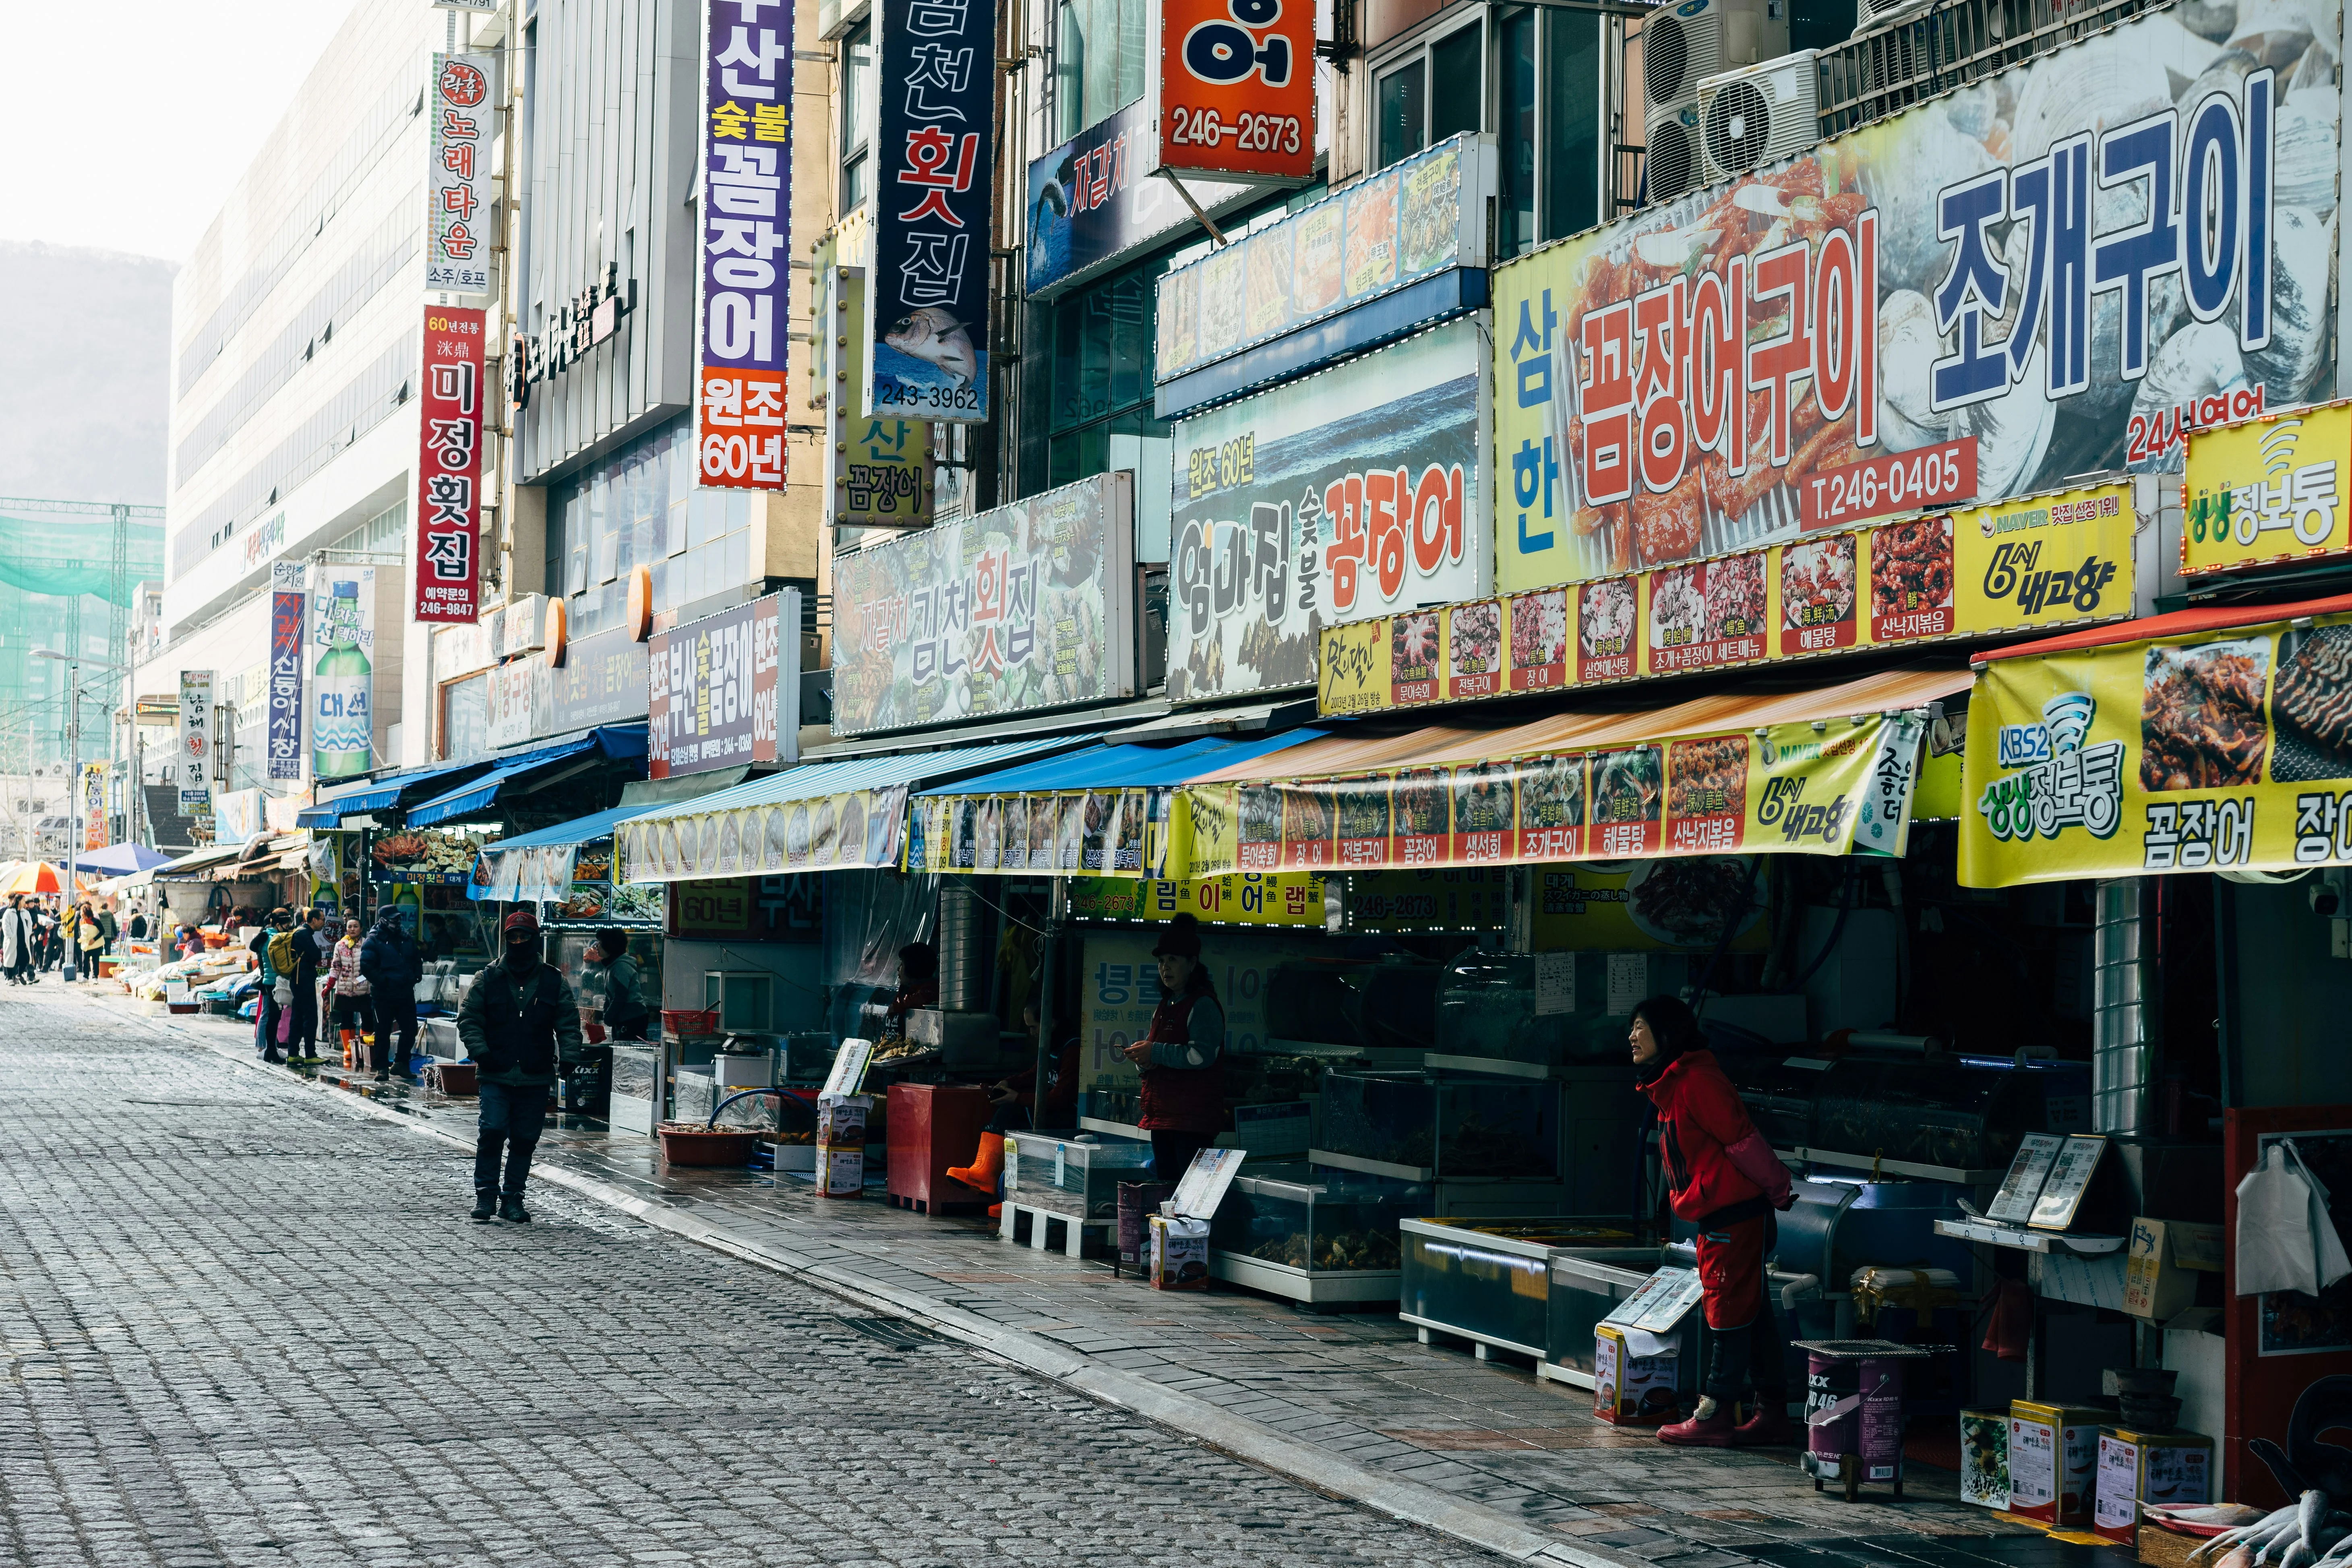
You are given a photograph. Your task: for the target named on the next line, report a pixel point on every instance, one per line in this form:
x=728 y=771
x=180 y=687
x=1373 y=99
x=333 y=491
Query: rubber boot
x=486 y=1205
x=987 y=1167
x=1711 y=1431
x=1767 y=1427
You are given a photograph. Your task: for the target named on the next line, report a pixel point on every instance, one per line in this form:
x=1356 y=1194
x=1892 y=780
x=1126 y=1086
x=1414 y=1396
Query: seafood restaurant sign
x=2065 y=270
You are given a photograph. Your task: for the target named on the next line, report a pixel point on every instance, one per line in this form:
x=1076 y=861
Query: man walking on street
x=266 y=1013
x=389 y=959
x=518 y=1020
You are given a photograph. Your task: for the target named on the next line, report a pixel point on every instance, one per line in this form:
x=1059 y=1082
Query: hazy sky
x=129 y=123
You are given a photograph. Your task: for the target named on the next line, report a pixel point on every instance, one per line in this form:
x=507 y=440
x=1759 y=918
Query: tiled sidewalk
x=1349 y=1400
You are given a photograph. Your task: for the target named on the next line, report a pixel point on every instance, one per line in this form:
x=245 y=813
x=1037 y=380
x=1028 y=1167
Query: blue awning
x=616 y=740
x=1126 y=767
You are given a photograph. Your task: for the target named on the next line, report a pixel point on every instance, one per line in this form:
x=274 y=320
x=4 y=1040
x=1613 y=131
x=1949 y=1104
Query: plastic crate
x=689 y=1022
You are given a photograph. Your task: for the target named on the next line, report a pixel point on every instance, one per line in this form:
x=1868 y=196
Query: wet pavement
x=244 y=1324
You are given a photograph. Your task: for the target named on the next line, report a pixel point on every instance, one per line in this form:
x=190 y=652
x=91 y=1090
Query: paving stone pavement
x=1519 y=1461
x=246 y=1326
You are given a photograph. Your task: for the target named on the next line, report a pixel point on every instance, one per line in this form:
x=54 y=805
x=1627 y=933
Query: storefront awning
x=540 y=866
x=2213 y=740
x=613 y=739
x=1803 y=769
x=820 y=816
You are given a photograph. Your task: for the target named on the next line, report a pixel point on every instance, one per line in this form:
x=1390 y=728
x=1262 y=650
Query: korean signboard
x=519 y=695
x=2037 y=563
x=745 y=909
x=195 y=754
x=1237 y=87
x=449 y=470
x=1338 y=497
x=1119 y=988
x=1024 y=607
x=93 y=805
x=1083 y=832
x=877 y=471
x=1281 y=898
x=602 y=680
x=712 y=703
x=1788 y=789
x=1095 y=198
x=1931 y=309
x=2224 y=751
x=2268 y=493
x=289 y=607
x=927 y=347
x=745 y=279
x=834 y=832
x=458 y=229
x=343 y=679
x=1410 y=221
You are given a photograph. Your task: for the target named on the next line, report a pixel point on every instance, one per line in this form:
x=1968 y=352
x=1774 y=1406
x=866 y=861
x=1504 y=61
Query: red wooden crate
x=930 y=1128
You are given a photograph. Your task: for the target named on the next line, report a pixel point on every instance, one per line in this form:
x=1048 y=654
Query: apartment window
x=1433 y=89
x=856 y=103
x=1548 y=117
x=1403 y=111
x=1099 y=55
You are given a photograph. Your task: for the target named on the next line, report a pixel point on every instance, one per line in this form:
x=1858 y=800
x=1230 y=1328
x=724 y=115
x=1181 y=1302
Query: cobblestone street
x=244 y=1324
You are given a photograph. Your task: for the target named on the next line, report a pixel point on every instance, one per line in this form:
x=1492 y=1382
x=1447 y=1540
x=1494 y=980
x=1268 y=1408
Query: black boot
x=488 y=1148
x=486 y=1204
x=510 y=1208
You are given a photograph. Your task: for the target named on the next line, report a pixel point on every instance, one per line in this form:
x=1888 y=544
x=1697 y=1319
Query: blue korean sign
x=1097 y=197
x=927 y=345
x=288 y=598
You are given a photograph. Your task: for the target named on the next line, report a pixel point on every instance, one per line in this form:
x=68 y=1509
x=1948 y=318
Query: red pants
x=1731 y=1271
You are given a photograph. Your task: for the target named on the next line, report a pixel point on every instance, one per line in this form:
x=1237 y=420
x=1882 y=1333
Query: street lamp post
x=73 y=789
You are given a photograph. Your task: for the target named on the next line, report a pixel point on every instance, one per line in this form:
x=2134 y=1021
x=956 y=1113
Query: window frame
x=853 y=154
x=1420 y=43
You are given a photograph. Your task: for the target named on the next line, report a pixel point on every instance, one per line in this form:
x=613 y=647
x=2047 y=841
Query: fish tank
x=1335 y=1223
x=1384 y=1004
x=1448 y=1126
x=1487 y=1005
x=1943 y=1112
x=1073 y=1175
x=1489 y=1280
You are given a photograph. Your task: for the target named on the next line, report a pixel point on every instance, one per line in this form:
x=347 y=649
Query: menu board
x=2070 y=1178
x=2013 y=1204
x=1660 y=1303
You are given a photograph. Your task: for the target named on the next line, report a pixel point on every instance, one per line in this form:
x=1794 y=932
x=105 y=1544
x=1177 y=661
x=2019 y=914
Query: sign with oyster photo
x=2061 y=269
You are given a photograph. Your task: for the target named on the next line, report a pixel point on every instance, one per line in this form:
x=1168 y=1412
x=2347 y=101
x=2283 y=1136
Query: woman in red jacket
x=1722 y=1178
x=1181 y=1057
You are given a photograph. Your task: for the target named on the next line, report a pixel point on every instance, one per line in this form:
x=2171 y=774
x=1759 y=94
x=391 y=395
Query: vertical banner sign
x=457 y=227
x=877 y=471
x=712 y=702
x=342 y=682
x=93 y=805
x=449 y=468
x=195 y=757
x=745 y=279
x=1237 y=87
x=288 y=597
x=927 y=347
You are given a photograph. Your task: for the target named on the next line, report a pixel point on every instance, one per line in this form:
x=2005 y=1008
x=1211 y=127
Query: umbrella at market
x=121 y=859
x=37 y=876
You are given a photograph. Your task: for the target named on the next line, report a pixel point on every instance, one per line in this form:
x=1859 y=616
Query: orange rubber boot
x=987 y=1167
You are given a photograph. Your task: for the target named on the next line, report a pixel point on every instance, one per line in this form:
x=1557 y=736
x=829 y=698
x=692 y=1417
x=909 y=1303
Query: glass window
x=466 y=716
x=1404 y=94
x=1573 y=110
x=1457 y=88
x=1516 y=115
x=857 y=97
x=1099 y=59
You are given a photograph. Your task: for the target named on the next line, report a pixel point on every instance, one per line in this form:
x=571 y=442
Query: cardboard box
x=841 y=1121
x=2146 y=1467
x=1984 y=1457
x=2156 y=1284
x=840 y=1173
x=1631 y=1390
x=1179 y=1254
x=2054 y=1457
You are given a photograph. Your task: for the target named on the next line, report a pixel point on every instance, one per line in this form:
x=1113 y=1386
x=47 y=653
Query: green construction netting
x=41 y=556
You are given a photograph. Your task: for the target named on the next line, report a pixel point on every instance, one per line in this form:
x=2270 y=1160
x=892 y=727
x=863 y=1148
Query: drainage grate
x=897 y=1334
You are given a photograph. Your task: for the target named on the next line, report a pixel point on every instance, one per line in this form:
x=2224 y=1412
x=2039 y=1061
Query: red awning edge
x=2179 y=623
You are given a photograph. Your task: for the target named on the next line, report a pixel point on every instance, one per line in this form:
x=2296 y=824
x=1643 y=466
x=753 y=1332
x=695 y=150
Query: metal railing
x=1891 y=66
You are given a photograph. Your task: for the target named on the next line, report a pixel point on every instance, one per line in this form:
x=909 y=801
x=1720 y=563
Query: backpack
x=281 y=953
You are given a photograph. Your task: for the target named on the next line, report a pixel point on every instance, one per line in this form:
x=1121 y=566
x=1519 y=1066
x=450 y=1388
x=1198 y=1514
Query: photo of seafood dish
x=731 y=844
x=1180 y=319
x=708 y=856
x=1429 y=226
x=1540 y=629
x=1483 y=799
x=1551 y=792
x=1100 y=807
x=1735 y=597
x=1016 y=832
x=1363 y=807
x=797 y=834
x=988 y=841
x=1817 y=583
x=1677 y=612
x=1475 y=644
x=1707 y=778
x=779 y=853
x=594 y=864
x=1605 y=617
x=1371 y=236
x=1221 y=302
x=1668 y=528
x=2200 y=716
x=1266 y=264
x=962 y=828
x=1260 y=814
x=1911 y=567
x=1070 y=833
x=1629 y=787
x=1129 y=847
x=2311 y=704
x=1315 y=282
x=1421 y=800
x=1412 y=648
x=1306 y=817
x=1041 y=818
x=1685 y=901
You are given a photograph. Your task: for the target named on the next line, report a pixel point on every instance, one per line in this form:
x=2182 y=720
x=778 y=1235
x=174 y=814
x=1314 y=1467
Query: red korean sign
x=1237 y=87
x=449 y=470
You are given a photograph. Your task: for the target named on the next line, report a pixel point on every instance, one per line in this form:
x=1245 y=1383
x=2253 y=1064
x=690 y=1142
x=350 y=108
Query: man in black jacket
x=389 y=959
x=518 y=1020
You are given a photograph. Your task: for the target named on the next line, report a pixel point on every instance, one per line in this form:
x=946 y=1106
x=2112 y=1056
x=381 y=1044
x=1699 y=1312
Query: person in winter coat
x=617 y=976
x=393 y=966
x=265 y=1015
x=347 y=988
x=1182 y=1056
x=16 y=941
x=1722 y=1177
x=517 y=1021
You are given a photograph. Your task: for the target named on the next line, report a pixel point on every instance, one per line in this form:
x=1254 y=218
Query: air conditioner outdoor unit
x=1754 y=116
x=1671 y=138
x=1869 y=14
x=1683 y=44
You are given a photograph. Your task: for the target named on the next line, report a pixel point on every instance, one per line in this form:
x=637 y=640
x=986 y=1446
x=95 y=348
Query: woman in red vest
x=1184 y=1073
x=1722 y=1178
